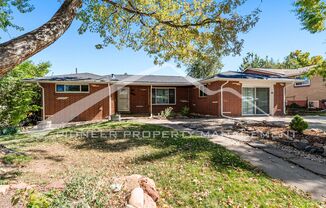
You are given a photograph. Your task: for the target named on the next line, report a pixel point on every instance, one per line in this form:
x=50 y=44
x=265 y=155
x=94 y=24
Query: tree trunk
x=19 y=49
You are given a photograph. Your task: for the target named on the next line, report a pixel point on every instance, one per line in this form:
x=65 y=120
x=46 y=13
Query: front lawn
x=189 y=171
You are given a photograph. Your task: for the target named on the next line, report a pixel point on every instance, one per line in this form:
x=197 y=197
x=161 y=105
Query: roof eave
x=238 y=79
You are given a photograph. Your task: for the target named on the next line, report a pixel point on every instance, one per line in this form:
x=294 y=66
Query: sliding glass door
x=255 y=101
x=262 y=101
x=248 y=101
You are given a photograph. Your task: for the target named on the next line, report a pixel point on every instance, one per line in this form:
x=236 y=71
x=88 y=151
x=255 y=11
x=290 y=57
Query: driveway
x=315 y=122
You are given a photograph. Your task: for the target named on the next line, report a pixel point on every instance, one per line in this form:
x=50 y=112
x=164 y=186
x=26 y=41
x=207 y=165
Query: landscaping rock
x=324 y=153
x=131 y=182
x=149 y=188
x=116 y=187
x=137 y=198
x=316 y=144
x=300 y=145
x=149 y=202
x=4 y=189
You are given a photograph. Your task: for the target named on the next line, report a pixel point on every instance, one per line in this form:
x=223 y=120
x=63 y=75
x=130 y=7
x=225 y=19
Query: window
x=163 y=96
x=202 y=91
x=305 y=82
x=71 y=88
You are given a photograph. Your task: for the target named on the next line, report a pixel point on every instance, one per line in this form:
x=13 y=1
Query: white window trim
x=203 y=86
x=271 y=99
x=166 y=88
x=66 y=92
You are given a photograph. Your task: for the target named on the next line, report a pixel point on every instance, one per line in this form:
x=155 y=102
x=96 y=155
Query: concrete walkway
x=272 y=165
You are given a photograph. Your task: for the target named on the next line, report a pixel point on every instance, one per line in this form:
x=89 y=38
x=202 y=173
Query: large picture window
x=61 y=88
x=163 y=96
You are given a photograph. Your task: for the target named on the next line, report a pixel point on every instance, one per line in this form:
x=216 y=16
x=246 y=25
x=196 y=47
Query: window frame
x=164 y=88
x=202 y=91
x=80 y=88
x=303 y=85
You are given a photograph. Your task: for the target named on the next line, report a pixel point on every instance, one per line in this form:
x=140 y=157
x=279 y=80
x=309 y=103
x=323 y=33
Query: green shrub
x=167 y=113
x=185 y=110
x=298 y=124
x=32 y=198
x=8 y=130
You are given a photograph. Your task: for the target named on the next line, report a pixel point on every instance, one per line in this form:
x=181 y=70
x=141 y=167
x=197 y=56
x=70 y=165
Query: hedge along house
x=85 y=96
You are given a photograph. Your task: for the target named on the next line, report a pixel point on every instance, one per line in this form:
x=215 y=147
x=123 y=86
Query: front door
x=123 y=99
x=255 y=101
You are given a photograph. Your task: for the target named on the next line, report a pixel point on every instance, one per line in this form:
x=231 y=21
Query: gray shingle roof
x=69 y=77
x=149 y=78
x=88 y=77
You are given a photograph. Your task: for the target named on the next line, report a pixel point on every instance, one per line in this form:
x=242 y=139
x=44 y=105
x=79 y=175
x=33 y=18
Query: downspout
x=110 y=101
x=222 y=99
x=150 y=101
x=284 y=99
x=43 y=101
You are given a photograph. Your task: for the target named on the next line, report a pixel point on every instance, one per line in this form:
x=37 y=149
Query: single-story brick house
x=98 y=97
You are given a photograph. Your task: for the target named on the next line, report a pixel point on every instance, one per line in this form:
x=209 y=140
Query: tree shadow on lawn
x=187 y=147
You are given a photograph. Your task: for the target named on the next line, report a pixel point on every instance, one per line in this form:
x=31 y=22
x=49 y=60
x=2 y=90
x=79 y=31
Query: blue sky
x=277 y=34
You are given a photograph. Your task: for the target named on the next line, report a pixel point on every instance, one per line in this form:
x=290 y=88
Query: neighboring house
x=227 y=94
x=309 y=93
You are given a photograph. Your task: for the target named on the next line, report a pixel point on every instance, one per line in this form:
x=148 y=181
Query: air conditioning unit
x=313 y=104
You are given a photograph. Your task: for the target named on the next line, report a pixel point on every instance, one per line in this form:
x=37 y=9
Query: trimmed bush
x=298 y=124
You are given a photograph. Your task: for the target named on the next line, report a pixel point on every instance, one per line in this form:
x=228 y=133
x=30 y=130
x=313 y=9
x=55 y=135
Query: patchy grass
x=15 y=159
x=189 y=171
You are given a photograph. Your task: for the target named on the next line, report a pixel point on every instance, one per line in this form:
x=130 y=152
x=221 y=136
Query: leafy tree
x=201 y=68
x=6 y=10
x=312 y=14
x=18 y=98
x=252 y=60
x=165 y=29
x=296 y=59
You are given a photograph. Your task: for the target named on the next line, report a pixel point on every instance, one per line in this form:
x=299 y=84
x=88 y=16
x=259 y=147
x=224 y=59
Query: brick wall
x=55 y=102
x=278 y=99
